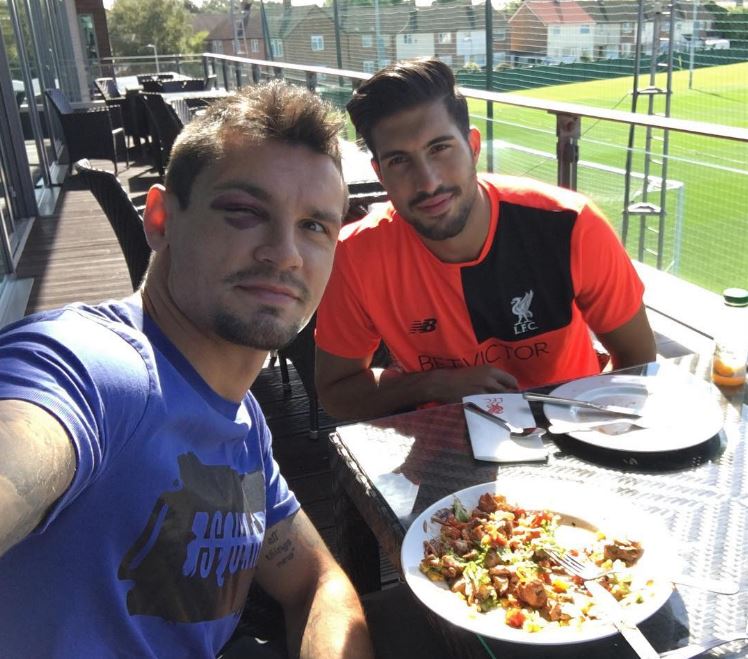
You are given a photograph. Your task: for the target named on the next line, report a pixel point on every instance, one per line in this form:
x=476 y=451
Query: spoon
x=514 y=430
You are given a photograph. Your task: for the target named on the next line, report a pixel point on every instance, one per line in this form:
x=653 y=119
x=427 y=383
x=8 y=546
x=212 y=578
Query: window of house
x=368 y=66
x=217 y=46
x=584 y=29
x=276 y=46
x=367 y=41
x=499 y=34
x=239 y=28
x=408 y=38
x=555 y=30
x=627 y=27
x=254 y=45
x=445 y=37
x=318 y=42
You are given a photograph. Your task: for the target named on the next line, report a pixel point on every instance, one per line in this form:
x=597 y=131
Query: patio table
x=386 y=471
x=184 y=102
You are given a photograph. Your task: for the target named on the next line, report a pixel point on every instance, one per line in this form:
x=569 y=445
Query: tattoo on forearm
x=281 y=554
x=34 y=471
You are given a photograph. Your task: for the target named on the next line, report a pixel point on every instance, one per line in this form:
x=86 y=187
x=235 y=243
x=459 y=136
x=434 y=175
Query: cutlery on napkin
x=493 y=443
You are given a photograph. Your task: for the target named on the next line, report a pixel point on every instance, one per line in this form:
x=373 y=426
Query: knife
x=570 y=402
x=616 y=615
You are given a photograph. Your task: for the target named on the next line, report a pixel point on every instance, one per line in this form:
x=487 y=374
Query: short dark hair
x=269 y=111
x=402 y=86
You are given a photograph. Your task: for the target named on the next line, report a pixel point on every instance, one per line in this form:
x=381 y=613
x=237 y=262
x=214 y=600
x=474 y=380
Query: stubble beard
x=265 y=328
x=449 y=227
x=264 y=331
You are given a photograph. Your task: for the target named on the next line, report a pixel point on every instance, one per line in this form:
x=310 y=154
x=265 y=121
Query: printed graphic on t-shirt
x=193 y=560
x=523 y=287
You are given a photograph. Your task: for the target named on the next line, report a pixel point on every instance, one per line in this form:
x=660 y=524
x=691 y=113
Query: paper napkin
x=492 y=442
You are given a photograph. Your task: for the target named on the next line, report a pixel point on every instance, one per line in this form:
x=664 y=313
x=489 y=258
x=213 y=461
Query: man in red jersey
x=476 y=283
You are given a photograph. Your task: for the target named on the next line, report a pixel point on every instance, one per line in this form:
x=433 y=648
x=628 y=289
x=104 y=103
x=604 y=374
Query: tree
x=135 y=23
x=219 y=6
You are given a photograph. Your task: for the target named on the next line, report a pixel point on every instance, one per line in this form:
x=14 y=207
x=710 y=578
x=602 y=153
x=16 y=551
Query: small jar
x=731 y=340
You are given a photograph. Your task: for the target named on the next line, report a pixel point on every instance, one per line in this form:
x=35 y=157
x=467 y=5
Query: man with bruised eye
x=139 y=496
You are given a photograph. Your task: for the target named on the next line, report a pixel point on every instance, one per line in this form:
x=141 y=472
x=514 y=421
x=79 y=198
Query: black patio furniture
x=110 y=92
x=122 y=215
x=163 y=127
x=186 y=85
x=300 y=352
x=91 y=132
x=148 y=77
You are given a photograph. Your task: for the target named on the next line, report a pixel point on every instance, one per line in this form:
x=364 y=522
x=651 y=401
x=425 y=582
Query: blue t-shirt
x=150 y=551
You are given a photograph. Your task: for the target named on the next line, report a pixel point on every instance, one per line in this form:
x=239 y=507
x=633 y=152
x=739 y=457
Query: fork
x=609 y=604
x=593 y=572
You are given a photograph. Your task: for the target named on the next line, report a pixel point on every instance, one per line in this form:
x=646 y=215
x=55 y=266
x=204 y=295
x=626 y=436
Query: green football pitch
x=705 y=239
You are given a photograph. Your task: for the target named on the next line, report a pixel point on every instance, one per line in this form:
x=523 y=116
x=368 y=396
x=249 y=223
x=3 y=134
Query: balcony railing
x=701 y=237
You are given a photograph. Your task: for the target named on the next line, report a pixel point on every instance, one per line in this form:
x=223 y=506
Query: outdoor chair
x=300 y=352
x=122 y=215
x=163 y=126
x=109 y=91
x=89 y=133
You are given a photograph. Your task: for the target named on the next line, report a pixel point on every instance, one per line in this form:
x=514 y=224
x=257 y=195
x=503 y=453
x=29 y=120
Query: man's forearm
x=376 y=392
x=333 y=623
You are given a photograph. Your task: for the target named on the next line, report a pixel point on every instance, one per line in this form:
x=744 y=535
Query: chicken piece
x=554 y=612
x=487 y=503
x=501 y=585
x=532 y=592
x=491 y=559
x=628 y=551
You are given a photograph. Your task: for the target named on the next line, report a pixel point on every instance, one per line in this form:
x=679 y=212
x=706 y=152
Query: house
x=242 y=36
x=455 y=33
x=555 y=31
x=460 y=33
x=368 y=36
x=615 y=22
x=543 y=30
x=303 y=34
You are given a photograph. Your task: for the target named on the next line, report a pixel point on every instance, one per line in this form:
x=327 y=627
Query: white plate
x=575 y=503
x=680 y=411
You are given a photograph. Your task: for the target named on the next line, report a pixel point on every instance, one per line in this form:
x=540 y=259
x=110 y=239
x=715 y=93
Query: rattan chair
x=109 y=91
x=89 y=133
x=122 y=215
x=300 y=352
x=163 y=125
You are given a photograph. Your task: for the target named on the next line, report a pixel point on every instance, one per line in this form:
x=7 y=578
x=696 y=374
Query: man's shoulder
x=525 y=191
x=380 y=226
x=80 y=328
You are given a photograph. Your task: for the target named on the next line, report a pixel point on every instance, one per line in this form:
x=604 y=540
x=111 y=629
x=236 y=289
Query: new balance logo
x=423 y=326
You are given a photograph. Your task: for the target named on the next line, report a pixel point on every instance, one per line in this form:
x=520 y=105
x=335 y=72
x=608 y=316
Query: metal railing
x=694 y=252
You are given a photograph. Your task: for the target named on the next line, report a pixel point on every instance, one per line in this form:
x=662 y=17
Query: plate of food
x=678 y=411
x=476 y=559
